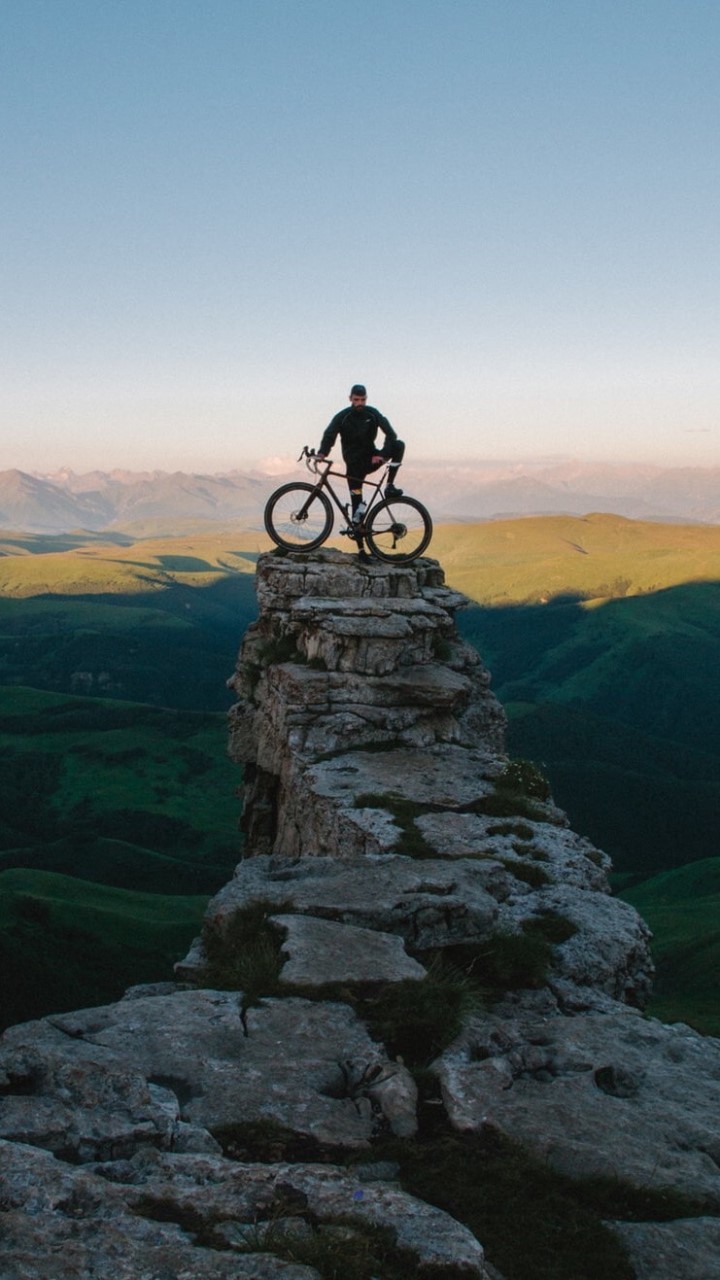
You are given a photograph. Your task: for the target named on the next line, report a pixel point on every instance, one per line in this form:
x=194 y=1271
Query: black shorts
x=360 y=463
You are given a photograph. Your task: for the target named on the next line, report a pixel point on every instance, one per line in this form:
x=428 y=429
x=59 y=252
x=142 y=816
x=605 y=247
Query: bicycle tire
x=281 y=517
x=398 y=530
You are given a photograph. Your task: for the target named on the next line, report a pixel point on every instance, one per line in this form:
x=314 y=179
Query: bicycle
x=299 y=516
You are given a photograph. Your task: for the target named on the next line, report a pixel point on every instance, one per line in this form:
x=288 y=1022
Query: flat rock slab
x=427 y=903
x=442 y=775
x=432 y=1241
x=62 y=1223
x=321 y=952
x=611 y=1095
x=190 y=1217
x=334 y=610
x=559 y=850
x=83 y=1083
x=329 y=692
x=688 y=1249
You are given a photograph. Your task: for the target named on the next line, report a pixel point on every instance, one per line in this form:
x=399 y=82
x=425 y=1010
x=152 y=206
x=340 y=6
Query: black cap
x=358 y=390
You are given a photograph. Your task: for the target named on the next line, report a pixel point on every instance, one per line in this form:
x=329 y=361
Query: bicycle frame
x=312 y=464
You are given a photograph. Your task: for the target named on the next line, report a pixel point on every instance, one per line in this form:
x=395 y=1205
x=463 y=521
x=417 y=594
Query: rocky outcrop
x=409 y=898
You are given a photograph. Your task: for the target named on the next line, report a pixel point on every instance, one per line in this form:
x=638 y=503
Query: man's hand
x=377 y=459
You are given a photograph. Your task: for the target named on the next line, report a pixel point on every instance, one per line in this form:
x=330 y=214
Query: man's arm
x=389 y=432
x=330 y=435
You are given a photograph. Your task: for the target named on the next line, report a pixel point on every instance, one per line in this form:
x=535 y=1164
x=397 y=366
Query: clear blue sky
x=215 y=215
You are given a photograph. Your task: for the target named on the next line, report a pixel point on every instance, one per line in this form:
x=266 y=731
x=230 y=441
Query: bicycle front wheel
x=298 y=517
x=399 y=530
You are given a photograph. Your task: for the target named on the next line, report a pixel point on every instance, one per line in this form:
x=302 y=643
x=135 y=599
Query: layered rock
x=231 y=1132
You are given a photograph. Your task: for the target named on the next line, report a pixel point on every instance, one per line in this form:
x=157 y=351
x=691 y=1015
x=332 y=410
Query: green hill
x=66 y=943
x=602 y=636
x=81 y=768
x=682 y=908
x=541 y=558
x=620 y=702
x=155 y=620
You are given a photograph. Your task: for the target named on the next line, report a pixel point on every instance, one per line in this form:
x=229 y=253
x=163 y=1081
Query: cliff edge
x=416 y=955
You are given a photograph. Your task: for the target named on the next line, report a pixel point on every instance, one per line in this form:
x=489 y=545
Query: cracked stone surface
x=145 y=1218
x=687 y=1249
x=100 y=1083
x=613 y=1095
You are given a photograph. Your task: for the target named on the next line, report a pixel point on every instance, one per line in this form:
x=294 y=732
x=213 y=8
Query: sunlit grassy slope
x=534 y=560
x=156 y=621
x=88 y=564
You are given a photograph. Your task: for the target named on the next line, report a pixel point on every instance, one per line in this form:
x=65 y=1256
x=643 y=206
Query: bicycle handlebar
x=312 y=461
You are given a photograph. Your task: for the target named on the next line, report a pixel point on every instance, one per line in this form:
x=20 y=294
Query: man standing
x=358 y=427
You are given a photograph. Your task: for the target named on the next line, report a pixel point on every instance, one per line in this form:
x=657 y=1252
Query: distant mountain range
x=100 y=500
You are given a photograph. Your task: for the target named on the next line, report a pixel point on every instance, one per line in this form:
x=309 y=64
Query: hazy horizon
x=280 y=465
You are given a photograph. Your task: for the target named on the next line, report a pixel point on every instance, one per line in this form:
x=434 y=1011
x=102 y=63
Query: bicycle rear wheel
x=399 y=530
x=297 y=517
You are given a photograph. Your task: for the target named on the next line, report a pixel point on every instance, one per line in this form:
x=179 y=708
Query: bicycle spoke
x=296 y=517
x=399 y=529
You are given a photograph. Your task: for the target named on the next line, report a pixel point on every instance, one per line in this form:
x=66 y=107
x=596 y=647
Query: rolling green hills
x=69 y=768
x=66 y=943
x=155 y=621
x=621 y=704
x=115 y=787
x=542 y=558
x=682 y=908
x=138 y=800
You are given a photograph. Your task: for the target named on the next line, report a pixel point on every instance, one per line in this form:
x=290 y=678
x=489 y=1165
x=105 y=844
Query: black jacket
x=358 y=429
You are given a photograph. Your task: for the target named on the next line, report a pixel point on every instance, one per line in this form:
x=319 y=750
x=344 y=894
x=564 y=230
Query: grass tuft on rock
x=528 y=872
x=416 y=1021
x=245 y=955
x=551 y=925
x=524 y=778
x=266 y=1141
x=503 y=961
x=411 y=842
x=340 y=1248
x=278 y=649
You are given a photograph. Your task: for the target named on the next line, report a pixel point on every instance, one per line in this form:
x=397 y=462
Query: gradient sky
x=215 y=215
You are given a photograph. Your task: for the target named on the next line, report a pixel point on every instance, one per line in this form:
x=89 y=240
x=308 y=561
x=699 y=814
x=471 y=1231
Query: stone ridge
x=223 y=1125
x=343 y=659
